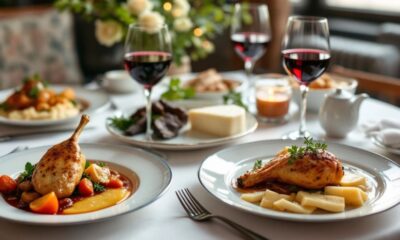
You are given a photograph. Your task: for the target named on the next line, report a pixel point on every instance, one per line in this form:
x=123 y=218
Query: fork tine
x=198 y=204
x=188 y=204
x=195 y=206
x=182 y=203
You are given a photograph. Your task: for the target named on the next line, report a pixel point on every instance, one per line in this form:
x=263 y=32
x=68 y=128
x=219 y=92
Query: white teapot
x=338 y=114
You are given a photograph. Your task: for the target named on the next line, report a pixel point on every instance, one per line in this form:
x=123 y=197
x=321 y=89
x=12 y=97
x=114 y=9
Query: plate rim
x=49 y=122
x=283 y=218
x=158 y=158
x=183 y=147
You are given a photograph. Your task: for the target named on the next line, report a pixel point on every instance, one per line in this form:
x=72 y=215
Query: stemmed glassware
x=147 y=59
x=250 y=35
x=306 y=55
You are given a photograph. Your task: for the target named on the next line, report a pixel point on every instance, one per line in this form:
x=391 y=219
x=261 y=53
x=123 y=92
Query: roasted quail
x=61 y=168
x=311 y=171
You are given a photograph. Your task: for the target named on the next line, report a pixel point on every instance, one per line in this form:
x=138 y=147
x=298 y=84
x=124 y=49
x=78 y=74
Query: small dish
x=378 y=142
x=119 y=81
x=153 y=173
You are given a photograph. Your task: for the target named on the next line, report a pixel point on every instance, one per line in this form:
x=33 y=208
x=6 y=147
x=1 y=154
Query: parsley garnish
x=176 y=92
x=312 y=146
x=27 y=174
x=87 y=164
x=4 y=106
x=97 y=187
x=257 y=164
x=121 y=123
x=234 y=98
x=101 y=164
x=34 y=92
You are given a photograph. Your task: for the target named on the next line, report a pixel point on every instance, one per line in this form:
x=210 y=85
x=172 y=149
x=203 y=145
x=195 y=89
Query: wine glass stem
x=248 y=67
x=149 y=132
x=304 y=93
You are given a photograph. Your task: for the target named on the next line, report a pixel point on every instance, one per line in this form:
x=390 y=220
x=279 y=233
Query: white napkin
x=386 y=130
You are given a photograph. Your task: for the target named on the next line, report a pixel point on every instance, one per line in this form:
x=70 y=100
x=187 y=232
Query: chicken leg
x=311 y=171
x=61 y=168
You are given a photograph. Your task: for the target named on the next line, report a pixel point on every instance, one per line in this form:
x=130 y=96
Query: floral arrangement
x=192 y=24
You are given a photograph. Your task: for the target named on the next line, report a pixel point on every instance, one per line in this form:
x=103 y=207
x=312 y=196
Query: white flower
x=208 y=46
x=180 y=8
x=108 y=32
x=137 y=7
x=152 y=22
x=183 y=24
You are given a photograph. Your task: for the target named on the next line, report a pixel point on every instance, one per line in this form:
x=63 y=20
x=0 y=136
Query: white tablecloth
x=165 y=218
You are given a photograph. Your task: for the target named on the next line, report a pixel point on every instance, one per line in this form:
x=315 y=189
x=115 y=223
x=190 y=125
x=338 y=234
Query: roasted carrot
x=7 y=184
x=86 y=187
x=47 y=204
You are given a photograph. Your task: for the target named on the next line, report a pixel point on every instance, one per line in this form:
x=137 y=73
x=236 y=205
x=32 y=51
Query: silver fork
x=17 y=149
x=198 y=213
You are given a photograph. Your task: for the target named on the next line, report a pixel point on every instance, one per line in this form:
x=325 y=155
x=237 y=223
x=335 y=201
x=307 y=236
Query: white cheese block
x=222 y=120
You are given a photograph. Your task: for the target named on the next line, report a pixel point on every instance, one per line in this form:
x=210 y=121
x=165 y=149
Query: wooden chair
x=382 y=87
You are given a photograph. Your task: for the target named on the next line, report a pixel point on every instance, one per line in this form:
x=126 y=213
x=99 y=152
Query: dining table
x=166 y=219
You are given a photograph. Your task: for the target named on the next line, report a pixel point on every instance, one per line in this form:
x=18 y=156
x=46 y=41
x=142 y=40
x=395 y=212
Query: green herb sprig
x=27 y=174
x=97 y=187
x=257 y=164
x=311 y=146
x=176 y=92
x=234 y=98
x=121 y=123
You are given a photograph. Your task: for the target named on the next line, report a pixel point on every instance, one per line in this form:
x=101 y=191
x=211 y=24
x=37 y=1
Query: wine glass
x=306 y=55
x=147 y=59
x=250 y=35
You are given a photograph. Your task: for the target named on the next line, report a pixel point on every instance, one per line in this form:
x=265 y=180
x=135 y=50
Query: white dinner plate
x=97 y=100
x=153 y=172
x=219 y=170
x=186 y=139
x=378 y=142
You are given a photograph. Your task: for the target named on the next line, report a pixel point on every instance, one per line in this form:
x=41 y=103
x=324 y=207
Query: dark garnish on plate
x=167 y=121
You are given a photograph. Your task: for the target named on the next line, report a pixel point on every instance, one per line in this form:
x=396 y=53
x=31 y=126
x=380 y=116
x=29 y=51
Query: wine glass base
x=296 y=135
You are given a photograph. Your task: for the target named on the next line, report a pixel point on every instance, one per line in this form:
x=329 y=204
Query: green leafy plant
x=257 y=164
x=122 y=123
x=311 y=146
x=234 y=98
x=176 y=92
x=193 y=23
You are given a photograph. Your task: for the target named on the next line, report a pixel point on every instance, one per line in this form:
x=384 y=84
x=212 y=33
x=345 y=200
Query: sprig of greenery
x=97 y=187
x=234 y=98
x=176 y=92
x=4 y=106
x=122 y=123
x=27 y=174
x=257 y=164
x=311 y=146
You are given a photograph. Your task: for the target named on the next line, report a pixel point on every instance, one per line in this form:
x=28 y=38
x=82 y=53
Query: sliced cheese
x=222 y=120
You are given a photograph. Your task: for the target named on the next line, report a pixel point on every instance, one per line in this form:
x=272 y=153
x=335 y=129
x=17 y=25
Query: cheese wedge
x=222 y=120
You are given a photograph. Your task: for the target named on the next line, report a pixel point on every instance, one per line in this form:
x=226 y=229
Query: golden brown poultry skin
x=61 y=168
x=311 y=171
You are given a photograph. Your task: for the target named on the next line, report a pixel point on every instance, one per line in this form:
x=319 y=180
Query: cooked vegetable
x=352 y=195
x=270 y=197
x=29 y=197
x=176 y=92
x=115 y=183
x=86 y=187
x=7 y=184
x=252 y=197
x=98 y=174
x=285 y=205
x=105 y=199
x=353 y=180
x=25 y=186
x=47 y=204
x=326 y=202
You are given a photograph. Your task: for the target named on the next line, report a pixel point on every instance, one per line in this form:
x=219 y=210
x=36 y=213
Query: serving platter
x=218 y=171
x=153 y=173
x=95 y=100
x=186 y=139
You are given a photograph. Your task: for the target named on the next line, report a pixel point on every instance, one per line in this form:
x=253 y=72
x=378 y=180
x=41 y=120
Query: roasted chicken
x=61 y=168
x=312 y=171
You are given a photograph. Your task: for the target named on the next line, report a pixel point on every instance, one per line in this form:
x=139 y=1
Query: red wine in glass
x=306 y=64
x=250 y=45
x=147 y=68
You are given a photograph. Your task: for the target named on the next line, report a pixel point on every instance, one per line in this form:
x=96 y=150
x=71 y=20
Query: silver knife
x=12 y=136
